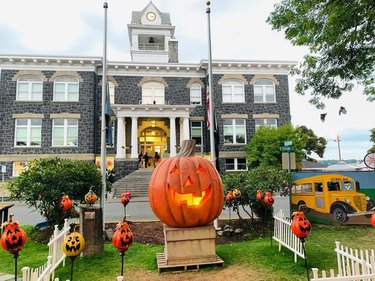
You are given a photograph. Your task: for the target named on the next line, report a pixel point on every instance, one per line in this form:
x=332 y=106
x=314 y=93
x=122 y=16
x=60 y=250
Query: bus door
x=319 y=196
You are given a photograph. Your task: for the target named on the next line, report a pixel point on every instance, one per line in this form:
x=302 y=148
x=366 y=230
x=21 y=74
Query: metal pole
x=210 y=96
x=103 y=148
x=338 y=146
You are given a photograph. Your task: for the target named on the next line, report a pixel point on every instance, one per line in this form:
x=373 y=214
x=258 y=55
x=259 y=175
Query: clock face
x=151 y=16
x=370 y=160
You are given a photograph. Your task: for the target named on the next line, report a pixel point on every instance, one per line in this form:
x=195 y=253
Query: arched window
x=264 y=91
x=66 y=88
x=233 y=91
x=153 y=93
x=195 y=94
x=29 y=88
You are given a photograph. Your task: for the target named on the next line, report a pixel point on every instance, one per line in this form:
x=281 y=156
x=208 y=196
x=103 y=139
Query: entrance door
x=153 y=139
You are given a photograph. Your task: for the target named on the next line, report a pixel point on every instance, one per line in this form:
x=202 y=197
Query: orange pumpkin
x=123 y=237
x=229 y=196
x=125 y=198
x=372 y=220
x=300 y=225
x=186 y=191
x=91 y=197
x=66 y=204
x=14 y=237
x=259 y=195
x=268 y=199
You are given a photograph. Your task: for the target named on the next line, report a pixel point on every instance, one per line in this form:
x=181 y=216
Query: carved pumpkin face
x=123 y=237
x=268 y=199
x=90 y=197
x=13 y=237
x=229 y=196
x=74 y=244
x=300 y=226
x=66 y=204
x=259 y=195
x=372 y=220
x=236 y=193
x=125 y=198
x=186 y=191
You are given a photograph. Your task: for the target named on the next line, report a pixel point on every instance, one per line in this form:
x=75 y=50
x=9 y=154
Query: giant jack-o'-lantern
x=14 y=237
x=300 y=226
x=123 y=237
x=73 y=245
x=186 y=191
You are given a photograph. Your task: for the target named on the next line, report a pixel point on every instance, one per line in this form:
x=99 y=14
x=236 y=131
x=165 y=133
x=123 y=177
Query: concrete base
x=91 y=228
x=189 y=245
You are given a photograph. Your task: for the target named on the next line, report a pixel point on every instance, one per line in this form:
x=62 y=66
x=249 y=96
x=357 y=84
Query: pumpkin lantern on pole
x=259 y=195
x=301 y=227
x=73 y=245
x=91 y=197
x=268 y=201
x=13 y=239
x=66 y=204
x=125 y=199
x=122 y=239
x=188 y=187
x=372 y=219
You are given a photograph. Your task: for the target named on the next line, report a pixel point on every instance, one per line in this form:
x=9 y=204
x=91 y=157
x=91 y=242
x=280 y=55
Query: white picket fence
x=283 y=234
x=55 y=258
x=352 y=264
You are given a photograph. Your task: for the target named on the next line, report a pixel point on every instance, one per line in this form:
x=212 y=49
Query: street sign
x=287 y=148
x=288 y=143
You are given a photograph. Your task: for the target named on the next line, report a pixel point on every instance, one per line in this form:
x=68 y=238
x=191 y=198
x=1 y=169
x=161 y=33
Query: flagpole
x=210 y=95
x=103 y=147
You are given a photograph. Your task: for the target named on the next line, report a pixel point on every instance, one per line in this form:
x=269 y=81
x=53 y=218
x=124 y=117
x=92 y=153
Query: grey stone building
x=51 y=105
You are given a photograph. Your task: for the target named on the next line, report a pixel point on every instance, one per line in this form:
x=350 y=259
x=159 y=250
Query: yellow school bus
x=331 y=194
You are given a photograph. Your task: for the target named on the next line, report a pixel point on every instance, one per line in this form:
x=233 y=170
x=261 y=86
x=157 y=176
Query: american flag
x=208 y=106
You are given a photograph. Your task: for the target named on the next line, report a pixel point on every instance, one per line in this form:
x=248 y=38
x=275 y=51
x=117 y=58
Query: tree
x=264 y=147
x=46 y=180
x=372 y=139
x=341 y=39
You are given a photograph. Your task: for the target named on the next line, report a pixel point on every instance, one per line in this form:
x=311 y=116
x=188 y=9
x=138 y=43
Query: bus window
x=306 y=188
x=318 y=187
x=348 y=185
x=297 y=189
x=333 y=186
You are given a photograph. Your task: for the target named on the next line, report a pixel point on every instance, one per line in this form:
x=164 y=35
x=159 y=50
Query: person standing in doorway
x=146 y=157
x=140 y=156
x=156 y=159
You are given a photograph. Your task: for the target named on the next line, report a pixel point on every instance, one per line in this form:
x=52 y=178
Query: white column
x=186 y=129
x=181 y=130
x=134 y=144
x=120 y=151
x=172 y=126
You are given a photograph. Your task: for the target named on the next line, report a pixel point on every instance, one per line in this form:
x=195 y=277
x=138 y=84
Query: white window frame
x=31 y=82
x=65 y=126
x=235 y=165
x=196 y=94
x=266 y=122
x=153 y=91
x=67 y=82
x=29 y=129
x=234 y=128
x=233 y=91
x=264 y=85
x=199 y=147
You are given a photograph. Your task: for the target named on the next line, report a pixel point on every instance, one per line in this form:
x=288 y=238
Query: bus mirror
x=357 y=185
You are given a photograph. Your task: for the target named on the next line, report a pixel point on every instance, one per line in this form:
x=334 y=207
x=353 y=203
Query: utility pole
x=338 y=145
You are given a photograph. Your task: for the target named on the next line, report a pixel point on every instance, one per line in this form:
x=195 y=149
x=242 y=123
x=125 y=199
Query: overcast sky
x=239 y=31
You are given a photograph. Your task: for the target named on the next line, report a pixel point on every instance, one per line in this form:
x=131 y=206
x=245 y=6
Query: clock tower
x=151 y=36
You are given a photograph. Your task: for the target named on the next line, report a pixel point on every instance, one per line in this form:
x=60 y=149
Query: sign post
x=289 y=148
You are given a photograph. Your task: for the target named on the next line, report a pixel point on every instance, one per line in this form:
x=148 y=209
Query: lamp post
x=338 y=145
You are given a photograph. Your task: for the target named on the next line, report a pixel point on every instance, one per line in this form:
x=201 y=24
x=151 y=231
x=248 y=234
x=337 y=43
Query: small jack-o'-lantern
x=259 y=195
x=90 y=197
x=186 y=191
x=300 y=226
x=123 y=237
x=372 y=220
x=74 y=243
x=229 y=196
x=125 y=198
x=14 y=237
x=268 y=199
x=66 y=204
x=236 y=193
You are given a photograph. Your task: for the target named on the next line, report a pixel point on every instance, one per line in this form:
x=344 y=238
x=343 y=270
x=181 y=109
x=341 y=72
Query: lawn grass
x=258 y=254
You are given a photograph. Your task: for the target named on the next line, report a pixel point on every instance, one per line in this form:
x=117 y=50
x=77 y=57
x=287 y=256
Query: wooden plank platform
x=164 y=266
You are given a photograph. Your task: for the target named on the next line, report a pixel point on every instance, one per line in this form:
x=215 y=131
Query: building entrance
x=152 y=140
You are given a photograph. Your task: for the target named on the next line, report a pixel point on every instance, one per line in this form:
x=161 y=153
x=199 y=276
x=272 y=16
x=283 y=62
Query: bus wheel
x=340 y=215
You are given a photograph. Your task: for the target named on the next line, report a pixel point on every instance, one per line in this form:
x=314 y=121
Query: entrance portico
x=153 y=127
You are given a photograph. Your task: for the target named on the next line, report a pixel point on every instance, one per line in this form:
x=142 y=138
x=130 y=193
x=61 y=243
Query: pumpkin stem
x=187 y=148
